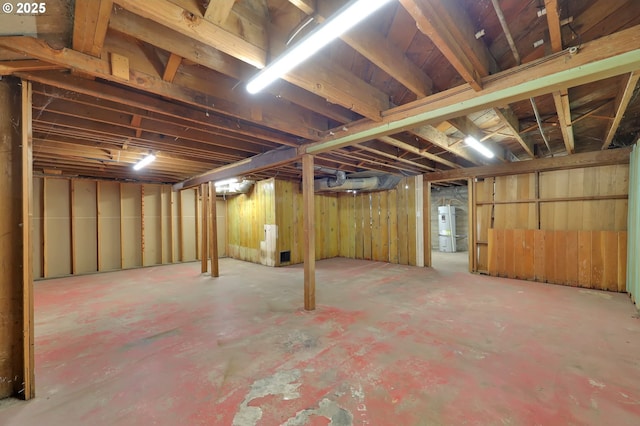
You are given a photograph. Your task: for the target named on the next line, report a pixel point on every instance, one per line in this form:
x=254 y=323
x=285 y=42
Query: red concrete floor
x=388 y=345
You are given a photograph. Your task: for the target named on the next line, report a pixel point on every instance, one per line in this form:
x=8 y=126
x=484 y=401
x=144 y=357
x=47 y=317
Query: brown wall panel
x=57 y=210
x=151 y=214
x=131 y=225
x=85 y=226
x=109 y=225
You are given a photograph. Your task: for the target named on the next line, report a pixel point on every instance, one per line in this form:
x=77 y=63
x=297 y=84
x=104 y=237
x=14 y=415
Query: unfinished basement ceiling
x=182 y=94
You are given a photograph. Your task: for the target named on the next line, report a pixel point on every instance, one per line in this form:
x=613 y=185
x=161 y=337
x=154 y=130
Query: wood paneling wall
x=85 y=226
x=289 y=223
x=633 y=241
x=247 y=216
x=582 y=199
x=268 y=221
x=381 y=226
x=590 y=259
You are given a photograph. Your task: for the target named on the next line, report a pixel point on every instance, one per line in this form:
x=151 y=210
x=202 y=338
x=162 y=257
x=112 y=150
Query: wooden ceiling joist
x=452 y=31
x=171 y=15
x=91 y=21
x=622 y=101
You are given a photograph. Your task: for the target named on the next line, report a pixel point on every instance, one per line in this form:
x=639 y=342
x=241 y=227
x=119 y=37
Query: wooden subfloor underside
x=388 y=345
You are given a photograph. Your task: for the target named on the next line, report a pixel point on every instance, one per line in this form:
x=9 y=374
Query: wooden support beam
x=599 y=59
x=307 y=6
x=256 y=163
x=441 y=140
x=561 y=101
x=465 y=125
x=415 y=150
x=309 y=233
x=560 y=97
x=218 y=10
x=16 y=279
x=27 y=241
x=170 y=70
x=587 y=159
x=277 y=118
x=509 y=118
x=213 y=231
x=27 y=65
x=375 y=47
x=196 y=27
x=90 y=23
x=622 y=101
x=204 y=228
x=447 y=24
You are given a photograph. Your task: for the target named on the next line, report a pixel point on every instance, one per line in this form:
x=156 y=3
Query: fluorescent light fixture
x=473 y=143
x=345 y=19
x=144 y=162
x=226 y=182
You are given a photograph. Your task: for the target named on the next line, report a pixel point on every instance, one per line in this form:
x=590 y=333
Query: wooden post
x=204 y=257
x=426 y=220
x=471 y=215
x=309 y=233
x=120 y=188
x=213 y=231
x=98 y=231
x=27 y=242
x=142 y=245
x=16 y=268
x=172 y=228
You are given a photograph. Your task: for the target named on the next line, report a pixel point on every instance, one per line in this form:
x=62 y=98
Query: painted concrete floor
x=388 y=345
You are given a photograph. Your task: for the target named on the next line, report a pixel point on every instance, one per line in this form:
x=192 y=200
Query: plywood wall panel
x=221 y=215
x=131 y=225
x=151 y=214
x=188 y=240
x=109 y=223
x=57 y=253
x=85 y=226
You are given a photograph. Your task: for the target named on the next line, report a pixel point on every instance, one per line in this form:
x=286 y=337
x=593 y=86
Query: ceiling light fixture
x=473 y=143
x=345 y=19
x=144 y=162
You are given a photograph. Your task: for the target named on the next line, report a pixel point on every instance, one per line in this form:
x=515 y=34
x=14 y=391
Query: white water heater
x=447 y=228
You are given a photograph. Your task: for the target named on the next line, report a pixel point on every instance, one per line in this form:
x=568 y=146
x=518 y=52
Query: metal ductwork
x=345 y=183
x=241 y=187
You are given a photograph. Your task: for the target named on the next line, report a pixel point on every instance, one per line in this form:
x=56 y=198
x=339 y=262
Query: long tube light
x=144 y=162
x=473 y=143
x=345 y=19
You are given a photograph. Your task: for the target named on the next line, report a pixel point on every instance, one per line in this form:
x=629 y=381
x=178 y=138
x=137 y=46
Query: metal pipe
x=535 y=111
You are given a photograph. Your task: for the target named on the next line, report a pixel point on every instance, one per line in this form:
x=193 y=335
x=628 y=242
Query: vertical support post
x=27 y=242
x=537 y=183
x=172 y=229
x=213 y=231
x=142 y=224
x=98 y=230
x=120 y=187
x=204 y=257
x=472 y=228
x=426 y=220
x=72 y=213
x=309 y=233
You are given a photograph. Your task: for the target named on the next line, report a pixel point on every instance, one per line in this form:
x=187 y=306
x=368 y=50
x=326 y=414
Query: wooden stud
x=426 y=224
x=121 y=227
x=309 y=233
x=27 y=242
x=98 y=230
x=213 y=231
x=74 y=263
x=172 y=229
x=142 y=242
x=204 y=233
x=472 y=218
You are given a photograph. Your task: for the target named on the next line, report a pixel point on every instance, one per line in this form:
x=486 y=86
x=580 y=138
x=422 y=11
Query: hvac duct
x=344 y=183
